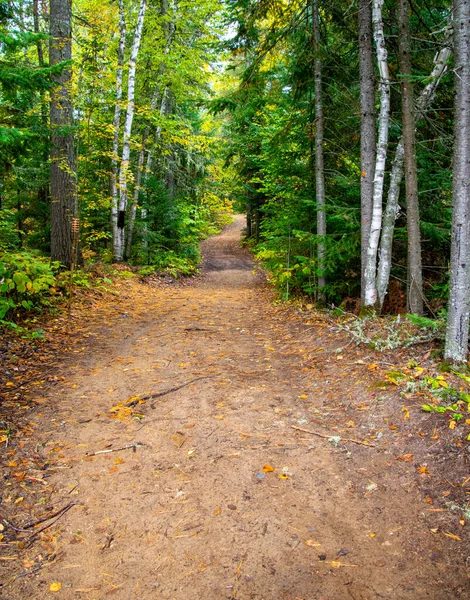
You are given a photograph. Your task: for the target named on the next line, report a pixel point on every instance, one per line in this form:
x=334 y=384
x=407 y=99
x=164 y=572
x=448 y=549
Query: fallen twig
x=13 y=527
x=128 y=447
x=51 y=516
x=328 y=437
x=174 y=389
x=59 y=514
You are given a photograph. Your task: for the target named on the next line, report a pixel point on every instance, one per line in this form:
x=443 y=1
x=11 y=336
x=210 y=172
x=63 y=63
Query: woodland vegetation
x=341 y=129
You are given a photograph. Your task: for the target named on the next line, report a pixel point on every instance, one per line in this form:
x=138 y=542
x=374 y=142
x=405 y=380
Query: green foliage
x=25 y=283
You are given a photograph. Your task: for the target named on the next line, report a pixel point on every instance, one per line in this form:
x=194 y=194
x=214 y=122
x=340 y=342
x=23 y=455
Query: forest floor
x=210 y=486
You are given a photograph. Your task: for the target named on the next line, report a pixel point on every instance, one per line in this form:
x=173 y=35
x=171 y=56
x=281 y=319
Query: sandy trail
x=190 y=513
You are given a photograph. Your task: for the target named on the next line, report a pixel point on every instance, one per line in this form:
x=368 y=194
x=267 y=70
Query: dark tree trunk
x=368 y=132
x=415 y=278
x=63 y=178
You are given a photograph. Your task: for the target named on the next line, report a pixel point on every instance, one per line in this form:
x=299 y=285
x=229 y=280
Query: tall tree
x=370 y=293
x=116 y=126
x=456 y=346
x=423 y=104
x=319 y=159
x=63 y=178
x=368 y=134
x=415 y=293
x=126 y=142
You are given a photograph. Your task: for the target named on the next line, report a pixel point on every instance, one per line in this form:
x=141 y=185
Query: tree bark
x=116 y=127
x=392 y=209
x=368 y=132
x=456 y=345
x=126 y=143
x=157 y=94
x=415 y=292
x=319 y=159
x=63 y=178
x=370 y=292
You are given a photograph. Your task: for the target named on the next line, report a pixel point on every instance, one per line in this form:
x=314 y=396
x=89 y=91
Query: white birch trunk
x=140 y=173
x=456 y=346
x=126 y=143
x=392 y=208
x=319 y=162
x=116 y=126
x=370 y=291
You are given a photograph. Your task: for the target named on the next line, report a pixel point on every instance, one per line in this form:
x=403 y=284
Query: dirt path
x=189 y=513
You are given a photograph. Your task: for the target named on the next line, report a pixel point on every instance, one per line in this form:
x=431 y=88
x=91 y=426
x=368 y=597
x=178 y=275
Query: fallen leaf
x=452 y=536
x=217 y=511
x=268 y=469
x=55 y=587
x=118 y=461
x=405 y=457
x=406 y=412
x=452 y=424
x=303 y=397
x=283 y=476
x=312 y=544
x=336 y=564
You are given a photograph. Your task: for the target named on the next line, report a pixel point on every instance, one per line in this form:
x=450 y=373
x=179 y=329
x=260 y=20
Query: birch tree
x=423 y=103
x=116 y=127
x=159 y=96
x=456 y=345
x=370 y=289
x=126 y=142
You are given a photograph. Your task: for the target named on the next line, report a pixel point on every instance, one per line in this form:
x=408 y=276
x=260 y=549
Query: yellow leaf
x=268 y=469
x=217 y=511
x=406 y=412
x=55 y=587
x=12 y=463
x=303 y=397
x=312 y=544
x=118 y=461
x=467 y=421
x=272 y=349
x=452 y=424
x=19 y=500
x=462 y=522
x=372 y=534
x=283 y=476
x=336 y=564
x=9 y=384
x=452 y=536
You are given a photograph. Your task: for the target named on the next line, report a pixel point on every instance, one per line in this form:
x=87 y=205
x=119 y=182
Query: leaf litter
x=147 y=499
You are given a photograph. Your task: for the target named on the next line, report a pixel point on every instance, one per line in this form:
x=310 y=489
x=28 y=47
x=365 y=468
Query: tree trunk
x=63 y=178
x=370 y=292
x=157 y=94
x=368 y=133
x=116 y=127
x=456 y=346
x=319 y=162
x=415 y=293
x=392 y=209
x=126 y=143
